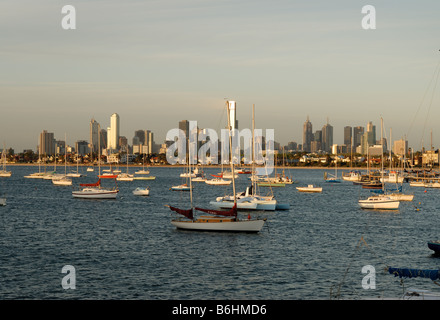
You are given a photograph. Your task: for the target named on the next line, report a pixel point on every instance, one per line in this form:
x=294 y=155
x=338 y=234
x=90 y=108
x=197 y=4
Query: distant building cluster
x=358 y=139
x=108 y=141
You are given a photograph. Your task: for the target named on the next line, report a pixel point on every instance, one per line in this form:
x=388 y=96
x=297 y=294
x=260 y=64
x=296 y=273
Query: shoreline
x=184 y=166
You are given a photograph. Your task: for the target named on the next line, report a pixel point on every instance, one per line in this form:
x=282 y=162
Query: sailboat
x=95 y=190
x=380 y=201
x=333 y=178
x=144 y=173
x=75 y=174
x=125 y=176
x=218 y=220
x=63 y=180
x=218 y=179
x=4 y=172
x=184 y=186
x=249 y=199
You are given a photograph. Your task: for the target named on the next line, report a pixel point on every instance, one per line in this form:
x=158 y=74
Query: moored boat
x=310 y=188
x=141 y=191
x=380 y=202
x=435 y=246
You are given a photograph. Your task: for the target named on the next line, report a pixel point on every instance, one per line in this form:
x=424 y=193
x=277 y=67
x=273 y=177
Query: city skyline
x=154 y=65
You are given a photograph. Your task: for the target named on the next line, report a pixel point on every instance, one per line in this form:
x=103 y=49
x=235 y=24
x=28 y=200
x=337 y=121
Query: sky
x=156 y=62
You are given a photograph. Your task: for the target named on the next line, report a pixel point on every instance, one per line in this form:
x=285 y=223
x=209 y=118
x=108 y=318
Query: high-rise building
x=327 y=137
x=233 y=115
x=316 y=143
x=46 y=143
x=140 y=134
x=400 y=147
x=348 y=136
x=113 y=132
x=358 y=132
x=103 y=142
x=81 y=147
x=371 y=129
x=184 y=126
x=307 y=135
x=94 y=133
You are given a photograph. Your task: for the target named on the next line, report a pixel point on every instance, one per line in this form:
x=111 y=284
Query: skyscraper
x=357 y=136
x=113 y=132
x=46 y=143
x=94 y=135
x=233 y=114
x=371 y=130
x=307 y=135
x=327 y=137
x=184 y=126
x=348 y=135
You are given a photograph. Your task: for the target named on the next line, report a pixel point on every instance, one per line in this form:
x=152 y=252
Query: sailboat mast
x=381 y=143
x=190 y=179
x=99 y=150
x=230 y=151
x=254 y=182
x=65 y=154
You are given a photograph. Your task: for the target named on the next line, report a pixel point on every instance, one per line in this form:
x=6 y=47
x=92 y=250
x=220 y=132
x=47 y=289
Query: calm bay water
x=127 y=248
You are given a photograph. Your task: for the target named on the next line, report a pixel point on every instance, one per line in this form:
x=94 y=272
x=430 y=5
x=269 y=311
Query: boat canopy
x=97 y=184
x=413 y=273
x=232 y=212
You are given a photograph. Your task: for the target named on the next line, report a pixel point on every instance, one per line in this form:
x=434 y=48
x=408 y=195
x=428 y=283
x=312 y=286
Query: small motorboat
x=309 y=188
x=141 y=191
x=182 y=187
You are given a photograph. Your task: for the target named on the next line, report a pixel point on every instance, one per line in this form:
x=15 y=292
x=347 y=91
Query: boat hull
x=218 y=182
x=435 y=246
x=308 y=189
x=402 y=197
x=144 y=178
x=270 y=184
x=62 y=182
x=379 y=204
x=230 y=204
x=95 y=194
x=232 y=226
x=141 y=192
x=2 y=201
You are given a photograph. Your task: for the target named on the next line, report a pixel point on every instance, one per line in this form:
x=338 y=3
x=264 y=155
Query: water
x=127 y=248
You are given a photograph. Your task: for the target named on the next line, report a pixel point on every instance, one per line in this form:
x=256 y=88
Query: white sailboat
x=249 y=199
x=75 y=174
x=95 y=190
x=333 y=178
x=143 y=171
x=218 y=220
x=125 y=176
x=63 y=180
x=218 y=182
x=380 y=201
x=2 y=201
